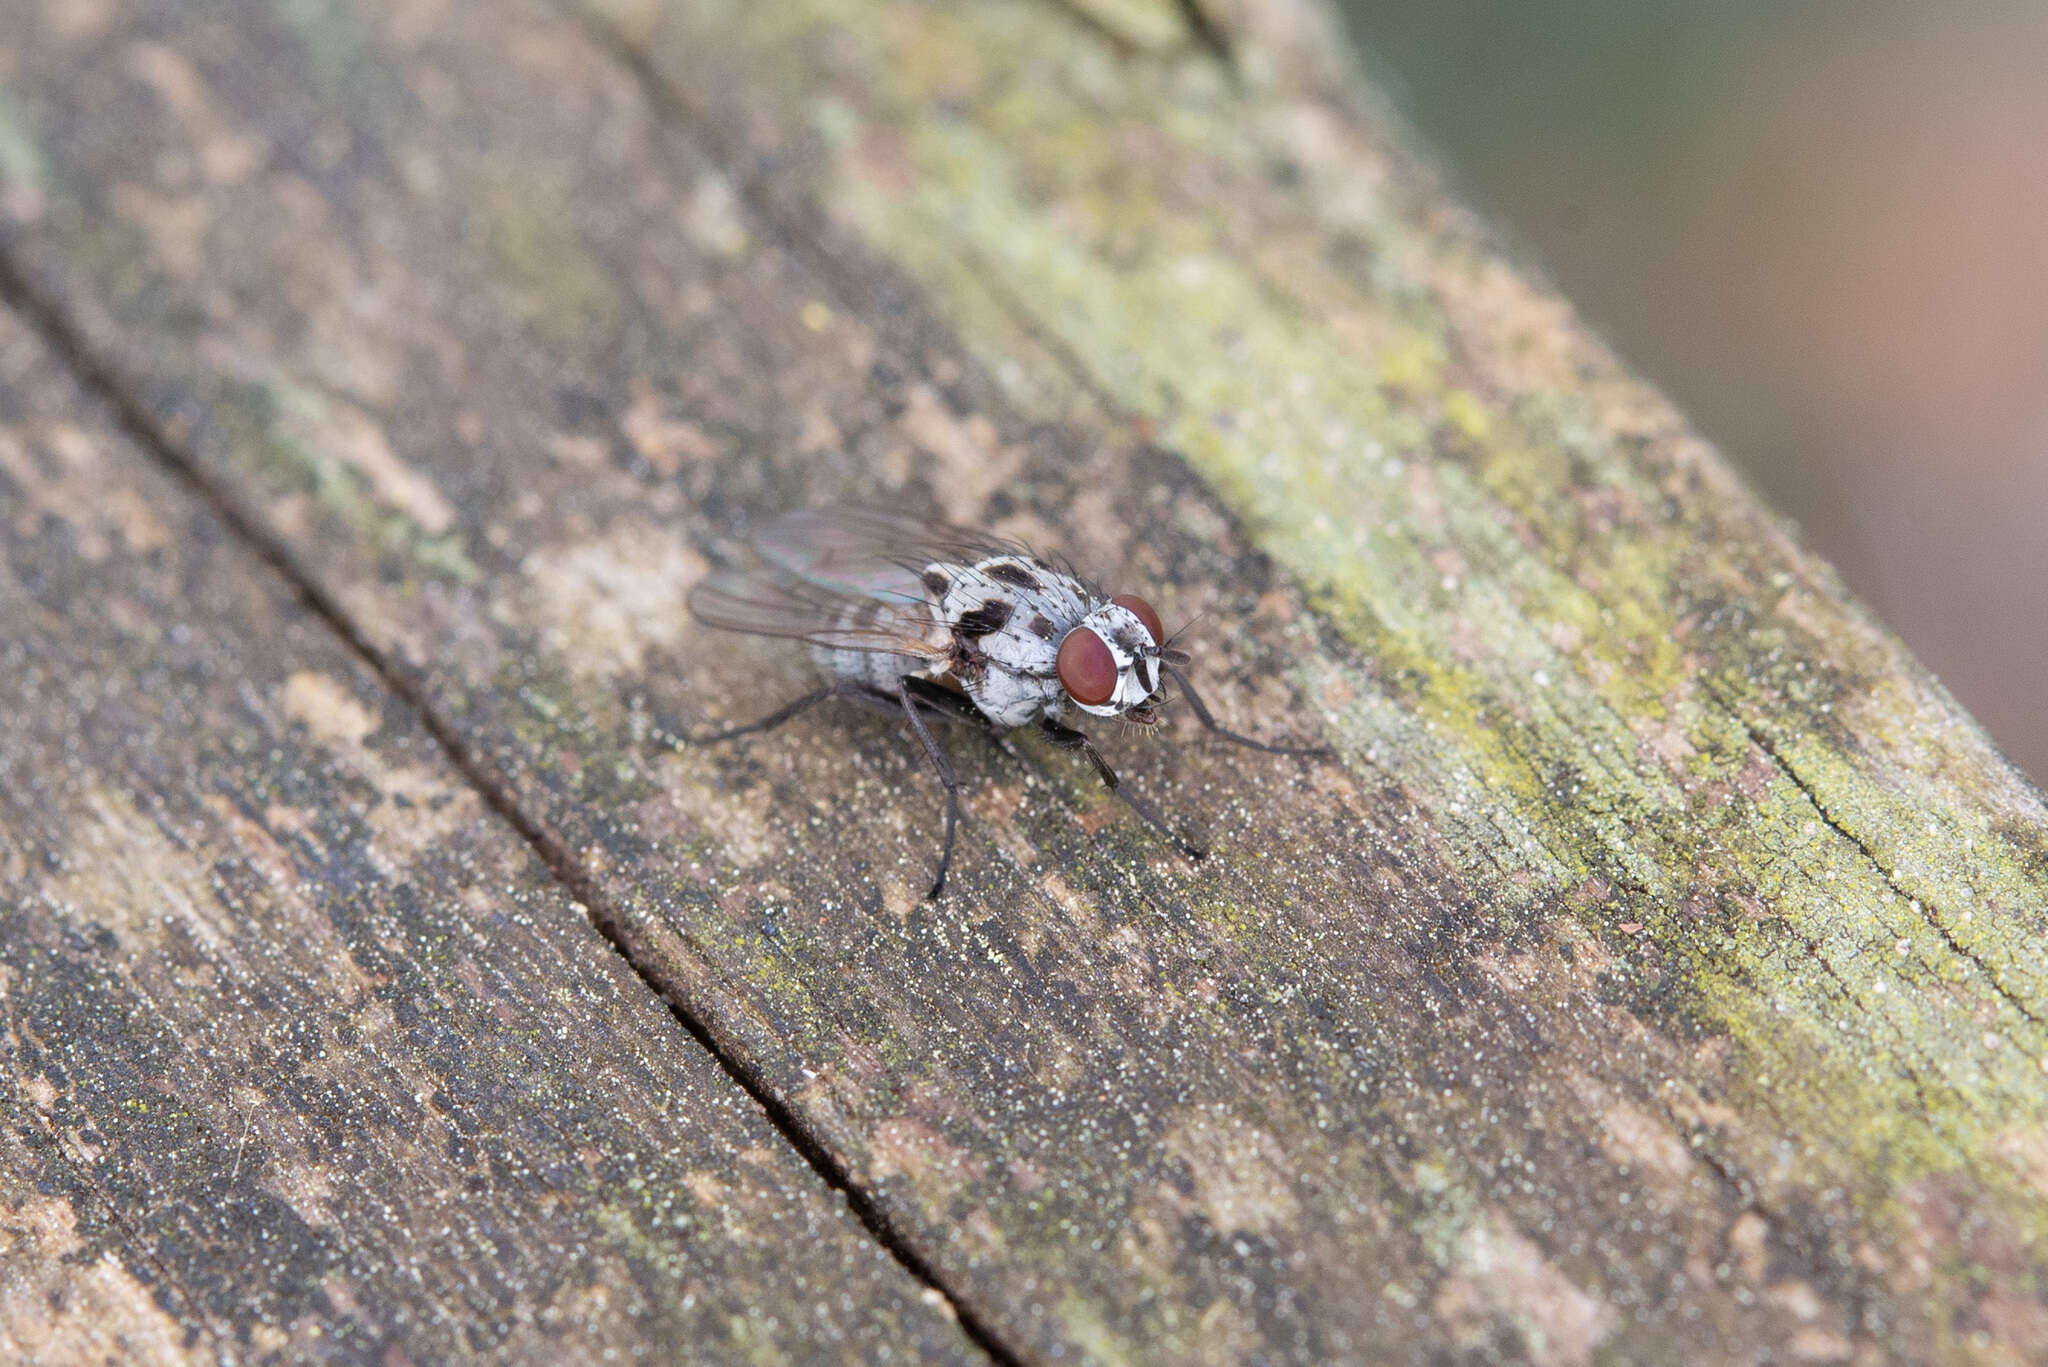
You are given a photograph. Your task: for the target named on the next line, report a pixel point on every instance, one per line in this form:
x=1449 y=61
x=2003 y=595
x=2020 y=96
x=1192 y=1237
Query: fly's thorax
x=1008 y=615
x=1014 y=699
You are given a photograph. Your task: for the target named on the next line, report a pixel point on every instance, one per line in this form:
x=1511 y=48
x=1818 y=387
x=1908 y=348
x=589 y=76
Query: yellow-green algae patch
x=522 y=222
x=21 y=162
x=265 y=430
x=1522 y=590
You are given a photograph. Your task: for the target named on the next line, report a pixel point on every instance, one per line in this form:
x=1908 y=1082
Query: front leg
x=1067 y=738
x=1204 y=716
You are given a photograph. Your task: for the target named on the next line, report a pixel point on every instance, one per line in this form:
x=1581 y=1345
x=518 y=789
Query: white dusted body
x=881 y=669
x=945 y=624
x=881 y=598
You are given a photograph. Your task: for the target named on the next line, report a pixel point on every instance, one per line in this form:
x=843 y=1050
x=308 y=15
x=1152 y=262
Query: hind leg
x=787 y=712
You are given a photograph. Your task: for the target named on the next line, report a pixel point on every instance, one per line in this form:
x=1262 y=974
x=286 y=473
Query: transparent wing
x=873 y=552
x=772 y=602
x=849 y=576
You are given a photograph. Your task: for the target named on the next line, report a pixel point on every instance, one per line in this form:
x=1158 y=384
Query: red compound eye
x=1142 y=610
x=1087 y=670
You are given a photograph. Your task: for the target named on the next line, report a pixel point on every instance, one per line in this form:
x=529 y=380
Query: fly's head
x=1112 y=662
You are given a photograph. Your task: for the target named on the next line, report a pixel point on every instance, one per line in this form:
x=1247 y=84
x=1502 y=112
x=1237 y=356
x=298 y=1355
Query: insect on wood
x=935 y=624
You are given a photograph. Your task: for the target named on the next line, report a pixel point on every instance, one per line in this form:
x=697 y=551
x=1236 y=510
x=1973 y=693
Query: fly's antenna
x=1171 y=657
x=1171 y=641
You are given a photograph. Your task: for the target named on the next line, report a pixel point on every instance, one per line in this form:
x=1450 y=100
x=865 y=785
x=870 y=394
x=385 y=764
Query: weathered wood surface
x=1657 y=976
x=307 y=1056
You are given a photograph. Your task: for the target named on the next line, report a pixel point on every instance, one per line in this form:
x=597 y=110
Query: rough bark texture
x=307 y=1056
x=1655 y=978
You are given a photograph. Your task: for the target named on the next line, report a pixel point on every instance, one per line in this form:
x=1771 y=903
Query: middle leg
x=912 y=709
x=1067 y=738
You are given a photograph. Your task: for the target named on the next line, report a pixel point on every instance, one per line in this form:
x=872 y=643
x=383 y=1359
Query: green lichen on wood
x=1588 y=658
x=21 y=165
x=267 y=429
x=521 y=221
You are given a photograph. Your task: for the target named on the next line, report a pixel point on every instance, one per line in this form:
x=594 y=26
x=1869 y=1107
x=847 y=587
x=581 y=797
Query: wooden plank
x=1655 y=978
x=307 y=1056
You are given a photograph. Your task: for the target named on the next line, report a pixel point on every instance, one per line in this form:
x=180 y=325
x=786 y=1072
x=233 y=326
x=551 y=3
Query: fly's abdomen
x=872 y=668
x=923 y=637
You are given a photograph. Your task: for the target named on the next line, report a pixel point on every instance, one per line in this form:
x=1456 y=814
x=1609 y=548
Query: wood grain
x=307 y=1057
x=1654 y=979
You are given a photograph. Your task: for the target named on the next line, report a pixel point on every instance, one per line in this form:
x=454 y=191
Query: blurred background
x=1823 y=228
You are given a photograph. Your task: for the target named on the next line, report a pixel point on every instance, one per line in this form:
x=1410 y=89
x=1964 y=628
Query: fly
x=941 y=624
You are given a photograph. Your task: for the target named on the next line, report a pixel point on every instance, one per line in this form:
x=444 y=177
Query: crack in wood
x=797 y=224
x=1204 y=32
x=1919 y=905
x=1210 y=34
x=1125 y=46
x=102 y=379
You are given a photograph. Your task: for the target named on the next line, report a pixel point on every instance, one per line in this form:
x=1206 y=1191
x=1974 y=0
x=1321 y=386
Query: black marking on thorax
x=1041 y=626
x=1011 y=573
x=993 y=615
x=936 y=582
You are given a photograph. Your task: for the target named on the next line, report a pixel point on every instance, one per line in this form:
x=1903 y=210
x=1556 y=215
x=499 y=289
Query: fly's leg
x=931 y=697
x=1067 y=738
x=915 y=698
x=945 y=770
x=786 y=712
x=943 y=704
x=1203 y=715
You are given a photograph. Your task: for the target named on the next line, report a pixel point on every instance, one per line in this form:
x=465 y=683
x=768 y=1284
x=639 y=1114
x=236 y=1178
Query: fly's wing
x=850 y=577
x=772 y=602
x=872 y=552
